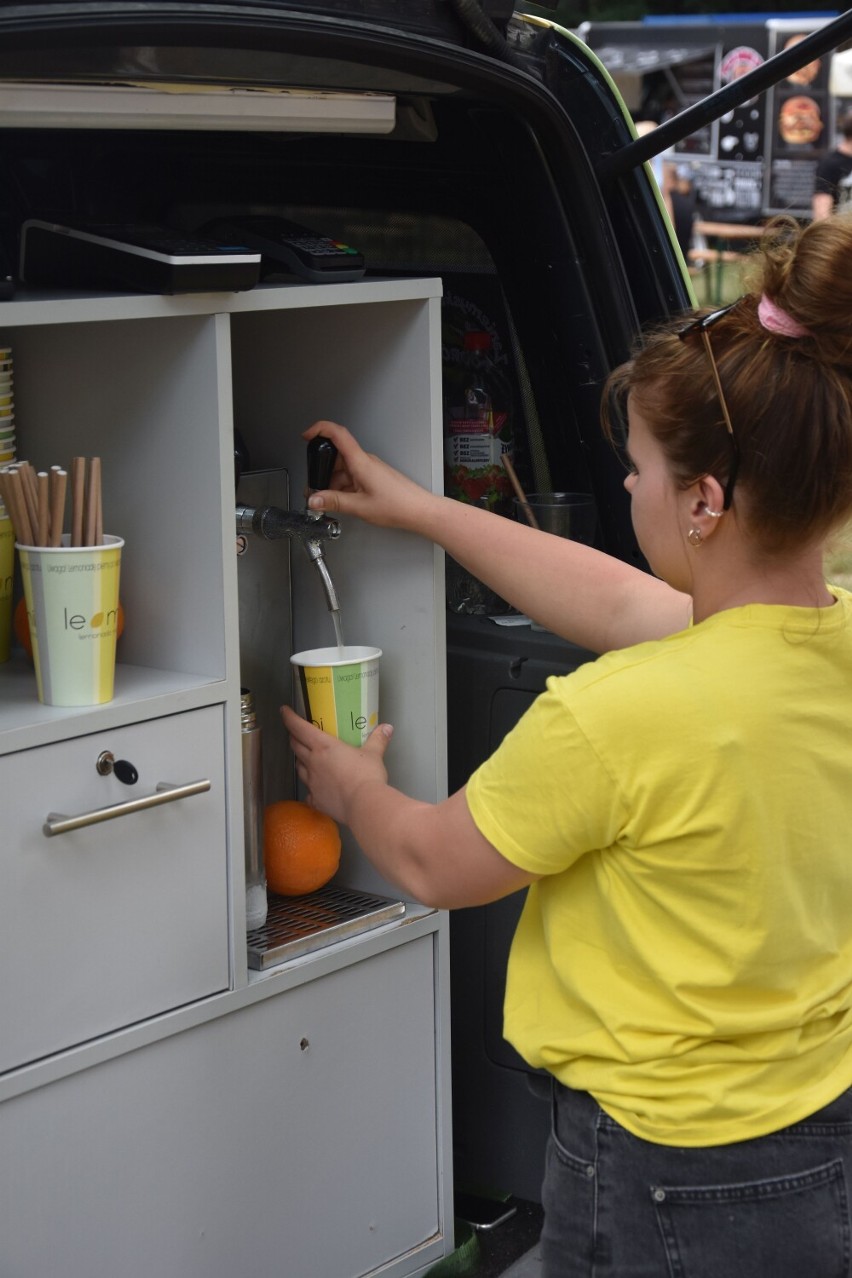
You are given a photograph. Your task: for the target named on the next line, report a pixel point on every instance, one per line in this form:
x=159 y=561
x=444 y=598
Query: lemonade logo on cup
x=71 y=597
x=338 y=690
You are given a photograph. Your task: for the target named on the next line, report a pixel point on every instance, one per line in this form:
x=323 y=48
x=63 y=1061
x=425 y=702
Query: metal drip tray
x=297 y=925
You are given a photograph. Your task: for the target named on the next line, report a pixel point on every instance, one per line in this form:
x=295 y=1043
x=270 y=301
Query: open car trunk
x=491 y=168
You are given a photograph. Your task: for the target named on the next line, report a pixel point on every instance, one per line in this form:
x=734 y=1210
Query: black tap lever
x=311 y=527
x=322 y=454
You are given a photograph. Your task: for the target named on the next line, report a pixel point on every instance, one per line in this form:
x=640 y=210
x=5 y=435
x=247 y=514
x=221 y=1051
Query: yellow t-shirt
x=688 y=957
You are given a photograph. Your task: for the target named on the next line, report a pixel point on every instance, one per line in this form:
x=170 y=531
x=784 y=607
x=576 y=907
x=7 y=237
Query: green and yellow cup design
x=7 y=568
x=338 y=690
x=72 y=606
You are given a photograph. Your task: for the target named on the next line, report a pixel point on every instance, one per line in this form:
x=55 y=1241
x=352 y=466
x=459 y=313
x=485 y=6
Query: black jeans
x=620 y=1207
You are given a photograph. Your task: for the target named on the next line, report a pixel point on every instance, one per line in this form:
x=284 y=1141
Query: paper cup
x=7 y=566
x=72 y=605
x=338 y=690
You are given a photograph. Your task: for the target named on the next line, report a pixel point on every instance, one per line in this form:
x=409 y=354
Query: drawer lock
x=123 y=770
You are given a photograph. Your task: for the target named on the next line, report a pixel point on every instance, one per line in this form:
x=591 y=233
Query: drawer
x=120 y=920
x=296 y=1137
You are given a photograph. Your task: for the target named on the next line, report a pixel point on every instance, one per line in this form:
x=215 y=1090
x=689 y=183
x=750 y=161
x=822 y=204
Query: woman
x=681 y=807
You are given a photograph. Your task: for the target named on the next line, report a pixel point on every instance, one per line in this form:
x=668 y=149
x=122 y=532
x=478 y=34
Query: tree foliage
x=570 y=13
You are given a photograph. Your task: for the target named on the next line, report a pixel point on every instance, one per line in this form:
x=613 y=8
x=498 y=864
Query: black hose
x=471 y=14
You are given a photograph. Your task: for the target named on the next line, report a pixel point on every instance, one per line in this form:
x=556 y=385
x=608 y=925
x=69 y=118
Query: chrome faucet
x=310 y=527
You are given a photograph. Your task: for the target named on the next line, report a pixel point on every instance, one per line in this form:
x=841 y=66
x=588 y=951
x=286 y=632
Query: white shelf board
x=40 y=306
x=140 y=693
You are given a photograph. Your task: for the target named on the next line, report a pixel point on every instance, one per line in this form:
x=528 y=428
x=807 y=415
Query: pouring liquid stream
x=338 y=630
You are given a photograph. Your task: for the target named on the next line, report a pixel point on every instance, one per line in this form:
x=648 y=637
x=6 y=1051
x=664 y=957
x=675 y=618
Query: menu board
x=741 y=131
x=729 y=192
x=727 y=171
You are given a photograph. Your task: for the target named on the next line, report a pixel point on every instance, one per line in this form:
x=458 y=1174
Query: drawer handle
x=165 y=792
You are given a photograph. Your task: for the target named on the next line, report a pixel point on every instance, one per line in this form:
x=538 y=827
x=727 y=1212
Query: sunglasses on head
x=702 y=324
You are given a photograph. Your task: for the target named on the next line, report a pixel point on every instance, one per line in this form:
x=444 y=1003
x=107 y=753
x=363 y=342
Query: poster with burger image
x=810 y=72
x=800 y=123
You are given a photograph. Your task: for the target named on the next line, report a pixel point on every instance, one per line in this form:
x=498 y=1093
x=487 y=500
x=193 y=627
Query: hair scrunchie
x=776 y=320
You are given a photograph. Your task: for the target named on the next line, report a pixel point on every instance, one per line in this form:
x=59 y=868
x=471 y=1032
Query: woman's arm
x=431 y=851
x=588 y=597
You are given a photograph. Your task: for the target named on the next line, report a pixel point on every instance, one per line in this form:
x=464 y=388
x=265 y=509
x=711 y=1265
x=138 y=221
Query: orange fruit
x=21 y=624
x=301 y=847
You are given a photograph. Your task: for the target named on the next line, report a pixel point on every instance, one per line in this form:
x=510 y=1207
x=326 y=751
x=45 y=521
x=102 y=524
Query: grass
x=838 y=559
x=730 y=284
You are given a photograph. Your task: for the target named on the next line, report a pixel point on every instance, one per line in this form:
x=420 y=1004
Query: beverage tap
x=310 y=527
x=322 y=454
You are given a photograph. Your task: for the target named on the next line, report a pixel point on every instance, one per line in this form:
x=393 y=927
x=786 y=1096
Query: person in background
x=680 y=808
x=833 y=184
x=673 y=179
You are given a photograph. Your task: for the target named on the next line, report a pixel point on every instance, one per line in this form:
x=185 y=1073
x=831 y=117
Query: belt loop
x=554 y=1083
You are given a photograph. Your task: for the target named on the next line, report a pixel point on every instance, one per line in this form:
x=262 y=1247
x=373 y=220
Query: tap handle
x=241 y=457
x=322 y=454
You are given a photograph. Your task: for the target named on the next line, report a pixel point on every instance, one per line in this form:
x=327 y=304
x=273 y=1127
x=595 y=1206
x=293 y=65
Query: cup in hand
x=571 y=515
x=338 y=690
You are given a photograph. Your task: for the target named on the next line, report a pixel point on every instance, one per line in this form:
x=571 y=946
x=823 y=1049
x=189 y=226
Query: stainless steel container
x=256 y=898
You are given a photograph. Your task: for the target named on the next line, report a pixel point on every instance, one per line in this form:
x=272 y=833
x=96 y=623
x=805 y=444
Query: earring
x=694 y=536
x=714 y=514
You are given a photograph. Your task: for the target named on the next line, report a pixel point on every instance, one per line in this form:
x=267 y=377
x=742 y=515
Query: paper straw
x=30 y=495
x=99 y=506
x=78 y=497
x=93 y=499
x=519 y=492
x=17 y=507
x=58 y=488
x=43 y=507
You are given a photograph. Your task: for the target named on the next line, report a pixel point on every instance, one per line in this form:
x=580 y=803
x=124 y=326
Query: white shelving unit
x=178 y=1114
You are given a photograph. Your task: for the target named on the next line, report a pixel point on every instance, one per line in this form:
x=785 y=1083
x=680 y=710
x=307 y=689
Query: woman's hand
x=432 y=851
x=331 y=770
x=363 y=485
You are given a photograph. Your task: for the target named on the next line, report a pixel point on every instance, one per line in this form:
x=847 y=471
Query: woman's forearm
x=433 y=852
x=588 y=597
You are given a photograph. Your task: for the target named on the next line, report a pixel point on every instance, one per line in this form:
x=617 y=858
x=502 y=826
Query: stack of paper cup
x=7 y=536
x=7 y=410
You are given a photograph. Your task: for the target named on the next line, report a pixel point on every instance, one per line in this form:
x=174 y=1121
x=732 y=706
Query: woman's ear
x=706 y=506
x=709 y=497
